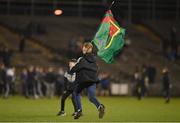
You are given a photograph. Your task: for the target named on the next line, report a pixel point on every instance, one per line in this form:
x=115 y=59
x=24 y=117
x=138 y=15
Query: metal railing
x=132 y=10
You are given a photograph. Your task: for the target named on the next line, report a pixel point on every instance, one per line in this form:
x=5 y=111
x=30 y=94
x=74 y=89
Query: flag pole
x=111 y=5
x=108 y=9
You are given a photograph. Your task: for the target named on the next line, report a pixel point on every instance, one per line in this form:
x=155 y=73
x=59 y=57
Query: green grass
x=117 y=109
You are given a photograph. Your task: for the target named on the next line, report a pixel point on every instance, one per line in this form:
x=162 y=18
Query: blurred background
x=38 y=37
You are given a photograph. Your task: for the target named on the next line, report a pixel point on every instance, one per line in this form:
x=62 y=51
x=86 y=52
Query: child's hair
x=89 y=46
x=73 y=60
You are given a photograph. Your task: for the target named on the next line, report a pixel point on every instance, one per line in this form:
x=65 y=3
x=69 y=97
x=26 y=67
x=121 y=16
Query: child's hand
x=71 y=65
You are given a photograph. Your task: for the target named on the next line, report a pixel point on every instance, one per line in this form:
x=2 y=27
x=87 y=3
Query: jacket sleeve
x=83 y=65
x=92 y=67
x=77 y=67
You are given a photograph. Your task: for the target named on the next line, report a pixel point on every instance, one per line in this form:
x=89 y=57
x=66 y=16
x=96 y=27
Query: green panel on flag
x=109 y=38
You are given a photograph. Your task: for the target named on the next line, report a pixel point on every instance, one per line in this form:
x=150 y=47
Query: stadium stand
x=143 y=48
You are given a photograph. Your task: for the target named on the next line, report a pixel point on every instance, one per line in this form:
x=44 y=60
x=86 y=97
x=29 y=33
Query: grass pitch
x=118 y=109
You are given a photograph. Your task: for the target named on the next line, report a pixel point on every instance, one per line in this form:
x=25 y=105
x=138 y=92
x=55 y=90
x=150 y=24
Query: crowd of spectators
x=34 y=81
x=37 y=82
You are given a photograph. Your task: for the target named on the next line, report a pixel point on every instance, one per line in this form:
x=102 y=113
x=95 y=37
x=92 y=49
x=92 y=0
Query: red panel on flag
x=113 y=29
x=107 y=19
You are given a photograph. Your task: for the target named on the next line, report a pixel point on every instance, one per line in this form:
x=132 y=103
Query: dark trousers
x=7 y=89
x=91 y=93
x=167 y=94
x=66 y=94
x=82 y=86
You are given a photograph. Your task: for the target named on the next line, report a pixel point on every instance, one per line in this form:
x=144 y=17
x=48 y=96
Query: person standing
x=23 y=77
x=69 y=86
x=50 y=80
x=39 y=82
x=166 y=84
x=139 y=83
x=10 y=81
x=31 y=80
x=2 y=77
x=60 y=81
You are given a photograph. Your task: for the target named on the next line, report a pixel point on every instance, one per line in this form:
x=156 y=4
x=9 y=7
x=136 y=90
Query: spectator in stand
x=6 y=55
x=165 y=45
x=72 y=48
x=1 y=53
x=173 y=44
x=80 y=42
x=22 y=44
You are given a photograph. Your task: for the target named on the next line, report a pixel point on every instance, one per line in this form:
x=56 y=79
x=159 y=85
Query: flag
x=109 y=38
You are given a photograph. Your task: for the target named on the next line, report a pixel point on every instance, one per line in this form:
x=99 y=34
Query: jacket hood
x=90 y=57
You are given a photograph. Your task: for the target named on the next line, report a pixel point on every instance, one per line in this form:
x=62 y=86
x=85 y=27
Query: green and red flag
x=109 y=38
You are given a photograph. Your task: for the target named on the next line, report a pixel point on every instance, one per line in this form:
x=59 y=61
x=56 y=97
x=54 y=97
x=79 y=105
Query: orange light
x=58 y=12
